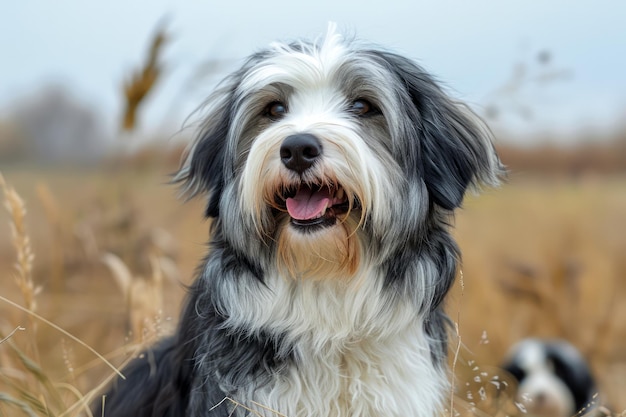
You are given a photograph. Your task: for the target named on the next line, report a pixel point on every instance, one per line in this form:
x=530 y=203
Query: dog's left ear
x=456 y=148
x=457 y=152
x=203 y=170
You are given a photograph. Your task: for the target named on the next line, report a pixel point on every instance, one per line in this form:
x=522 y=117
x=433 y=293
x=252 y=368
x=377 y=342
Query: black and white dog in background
x=554 y=379
x=331 y=170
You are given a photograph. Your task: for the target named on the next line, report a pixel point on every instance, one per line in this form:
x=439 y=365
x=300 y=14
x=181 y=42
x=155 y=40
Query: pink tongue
x=308 y=204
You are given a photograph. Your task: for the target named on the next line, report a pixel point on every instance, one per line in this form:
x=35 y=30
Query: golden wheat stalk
x=25 y=256
x=140 y=83
x=24 y=265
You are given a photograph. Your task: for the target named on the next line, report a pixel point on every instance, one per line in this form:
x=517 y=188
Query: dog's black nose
x=299 y=152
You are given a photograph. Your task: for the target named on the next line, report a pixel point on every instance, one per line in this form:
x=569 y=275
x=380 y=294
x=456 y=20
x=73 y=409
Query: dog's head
x=553 y=378
x=327 y=150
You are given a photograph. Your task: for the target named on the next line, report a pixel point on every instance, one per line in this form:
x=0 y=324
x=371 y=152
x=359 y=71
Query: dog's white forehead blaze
x=309 y=65
x=533 y=356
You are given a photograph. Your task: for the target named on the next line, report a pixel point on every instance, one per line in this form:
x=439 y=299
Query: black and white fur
x=337 y=310
x=554 y=379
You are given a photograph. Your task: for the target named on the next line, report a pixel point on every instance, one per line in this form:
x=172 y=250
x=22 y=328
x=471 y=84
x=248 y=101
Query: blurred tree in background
x=51 y=127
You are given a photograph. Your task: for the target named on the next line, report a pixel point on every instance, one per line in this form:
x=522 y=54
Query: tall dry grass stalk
x=140 y=83
x=27 y=386
x=24 y=252
x=25 y=256
x=457 y=349
x=252 y=411
x=10 y=335
x=143 y=296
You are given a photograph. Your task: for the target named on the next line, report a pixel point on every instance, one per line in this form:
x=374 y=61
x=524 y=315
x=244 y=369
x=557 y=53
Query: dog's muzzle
x=310 y=205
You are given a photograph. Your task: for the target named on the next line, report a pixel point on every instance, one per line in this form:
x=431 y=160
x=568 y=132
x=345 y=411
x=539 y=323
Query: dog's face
x=327 y=152
x=553 y=378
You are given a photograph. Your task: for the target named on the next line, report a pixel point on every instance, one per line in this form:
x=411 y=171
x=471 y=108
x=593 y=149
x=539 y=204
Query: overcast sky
x=472 y=46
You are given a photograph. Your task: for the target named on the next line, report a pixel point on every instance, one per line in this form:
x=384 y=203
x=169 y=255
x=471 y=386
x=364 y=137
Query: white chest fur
x=364 y=379
x=358 y=353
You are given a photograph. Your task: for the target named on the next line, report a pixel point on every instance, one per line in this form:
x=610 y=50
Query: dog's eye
x=361 y=107
x=276 y=110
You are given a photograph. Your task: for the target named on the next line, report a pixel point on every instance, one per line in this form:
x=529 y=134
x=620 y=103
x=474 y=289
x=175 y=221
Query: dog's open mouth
x=315 y=206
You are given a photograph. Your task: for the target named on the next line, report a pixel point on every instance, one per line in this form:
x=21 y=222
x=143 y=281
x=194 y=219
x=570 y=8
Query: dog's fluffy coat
x=329 y=259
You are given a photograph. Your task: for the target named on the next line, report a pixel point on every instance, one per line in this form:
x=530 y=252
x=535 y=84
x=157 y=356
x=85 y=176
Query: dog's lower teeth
x=340 y=194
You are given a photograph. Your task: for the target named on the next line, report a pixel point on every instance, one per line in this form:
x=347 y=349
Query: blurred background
x=97 y=103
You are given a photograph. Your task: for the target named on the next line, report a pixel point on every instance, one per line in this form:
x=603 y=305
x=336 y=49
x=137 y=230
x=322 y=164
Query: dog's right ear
x=203 y=170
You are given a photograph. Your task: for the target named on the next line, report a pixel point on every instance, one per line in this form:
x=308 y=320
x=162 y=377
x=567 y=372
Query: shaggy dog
x=554 y=378
x=331 y=170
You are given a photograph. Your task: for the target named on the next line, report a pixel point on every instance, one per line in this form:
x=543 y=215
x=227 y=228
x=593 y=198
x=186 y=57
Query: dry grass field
x=113 y=248
x=545 y=258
